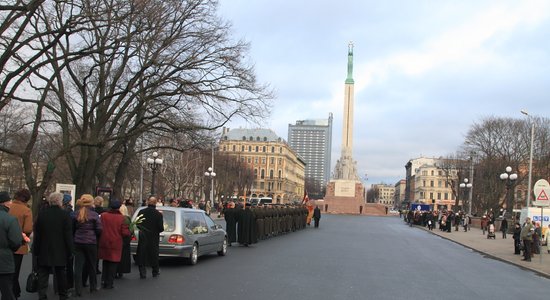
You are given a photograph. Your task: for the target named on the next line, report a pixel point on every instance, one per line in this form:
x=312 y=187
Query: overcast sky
x=424 y=71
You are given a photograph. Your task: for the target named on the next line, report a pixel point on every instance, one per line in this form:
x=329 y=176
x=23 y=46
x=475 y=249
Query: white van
x=261 y=201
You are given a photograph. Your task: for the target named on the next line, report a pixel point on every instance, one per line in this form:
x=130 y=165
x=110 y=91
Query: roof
x=259 y=134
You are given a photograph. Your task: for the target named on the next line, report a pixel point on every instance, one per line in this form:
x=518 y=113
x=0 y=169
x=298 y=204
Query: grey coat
x=10 y=240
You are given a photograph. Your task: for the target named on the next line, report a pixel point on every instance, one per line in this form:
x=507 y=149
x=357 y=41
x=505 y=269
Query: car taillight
x=134 y=238
x=176 y=239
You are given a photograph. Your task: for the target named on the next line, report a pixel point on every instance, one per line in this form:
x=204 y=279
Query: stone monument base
x=344 y=197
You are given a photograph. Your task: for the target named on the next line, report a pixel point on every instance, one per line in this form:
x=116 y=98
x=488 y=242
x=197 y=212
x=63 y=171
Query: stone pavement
x=499 y=248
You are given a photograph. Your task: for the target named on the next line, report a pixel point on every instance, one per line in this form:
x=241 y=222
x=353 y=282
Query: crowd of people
x=528 y=237
x=71 y=242
x=248 y=224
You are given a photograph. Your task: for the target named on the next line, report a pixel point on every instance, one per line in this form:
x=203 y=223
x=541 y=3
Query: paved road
x=348 y=257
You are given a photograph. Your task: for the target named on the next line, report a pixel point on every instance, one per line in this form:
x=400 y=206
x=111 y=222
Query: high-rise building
x=312 y=140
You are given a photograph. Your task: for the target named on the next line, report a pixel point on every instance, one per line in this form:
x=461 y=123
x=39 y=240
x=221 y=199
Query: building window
x=423 y=182
x=255 y=173
x=270 y=174
x=263 y=149
x=265 y=139
x=244 y=138
x=272 y=149
x=438 y=196
x=234 y=148
x=439 y=183
x=251 y=139
x=272 y=160
x=257 y=138
x=262 y=174
x=263 y=160
x=431 y=195
x=257 y=148
x=280 y=173
x=249 y=148
x=242 y=148
x=255 y=160
x=431 y=183
x=280 y=149
x=432 y=172
x=223 y=147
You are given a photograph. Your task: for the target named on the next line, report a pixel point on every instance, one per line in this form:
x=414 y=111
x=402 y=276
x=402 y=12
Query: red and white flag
x=306 y=197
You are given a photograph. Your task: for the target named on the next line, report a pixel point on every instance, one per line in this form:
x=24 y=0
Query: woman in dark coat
x=517 y=238
x=110 y=243
x=125 y=264
x=147 y=253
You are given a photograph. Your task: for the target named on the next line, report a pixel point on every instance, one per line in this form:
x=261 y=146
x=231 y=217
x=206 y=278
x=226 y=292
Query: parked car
x=188 y=233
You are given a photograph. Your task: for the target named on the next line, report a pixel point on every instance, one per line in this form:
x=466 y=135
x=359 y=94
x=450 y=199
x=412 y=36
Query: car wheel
x=194 y=255
x=223 y=250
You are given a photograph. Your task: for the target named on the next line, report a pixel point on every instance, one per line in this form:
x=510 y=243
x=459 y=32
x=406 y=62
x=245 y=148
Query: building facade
x=385 y=194
x=399 y=195
x=312 y=140
x=279 y=172
x=429 y=184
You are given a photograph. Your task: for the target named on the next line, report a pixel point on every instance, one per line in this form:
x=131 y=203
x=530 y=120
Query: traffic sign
x=542 y=193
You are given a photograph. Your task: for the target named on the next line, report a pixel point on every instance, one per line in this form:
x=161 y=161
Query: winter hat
x=4 y=197
x=114 y=204
x=67 y=199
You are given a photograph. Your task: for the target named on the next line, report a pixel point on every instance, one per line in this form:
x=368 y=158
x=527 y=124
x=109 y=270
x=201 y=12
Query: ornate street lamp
x=154 y=164
x=211 y=174
x=466 y=185
x=509 y=178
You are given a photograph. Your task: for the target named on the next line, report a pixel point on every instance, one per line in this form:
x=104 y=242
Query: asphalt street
x=348 y=257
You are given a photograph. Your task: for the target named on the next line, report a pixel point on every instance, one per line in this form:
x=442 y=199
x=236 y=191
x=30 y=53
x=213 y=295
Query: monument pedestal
x=344 y=197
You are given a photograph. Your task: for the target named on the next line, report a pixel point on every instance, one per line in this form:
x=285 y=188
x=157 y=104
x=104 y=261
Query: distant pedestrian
x=316 y=216
x=517 y=238
x=152 y=224
x=11 y=238
x=52 y=244
x=547 y=238
x=504 y=227
x=526 y=236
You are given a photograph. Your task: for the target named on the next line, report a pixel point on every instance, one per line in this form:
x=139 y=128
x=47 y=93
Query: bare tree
x=106 y=74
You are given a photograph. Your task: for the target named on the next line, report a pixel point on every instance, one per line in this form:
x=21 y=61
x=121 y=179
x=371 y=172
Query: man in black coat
x=246 y=227
x=53 y=245
x=148 y=239
x=230 y=223
x=316 y=216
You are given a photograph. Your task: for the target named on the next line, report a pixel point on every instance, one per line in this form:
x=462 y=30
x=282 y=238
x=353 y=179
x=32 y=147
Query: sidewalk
x=499 y=248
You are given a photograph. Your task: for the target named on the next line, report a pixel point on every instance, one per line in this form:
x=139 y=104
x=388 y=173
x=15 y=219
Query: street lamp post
x=211 y=174
x=530 y=158
x=154 y=164
x=466 y=185
x=509 y=179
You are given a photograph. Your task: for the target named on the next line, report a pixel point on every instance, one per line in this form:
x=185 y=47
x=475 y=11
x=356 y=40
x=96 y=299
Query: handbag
x=32 y=282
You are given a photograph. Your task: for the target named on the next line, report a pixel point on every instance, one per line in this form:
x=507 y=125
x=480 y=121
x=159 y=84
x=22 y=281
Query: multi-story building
x=429 y=183
x=399 y=195
x=279 y=172
x=312 y=140
x=385 y=194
